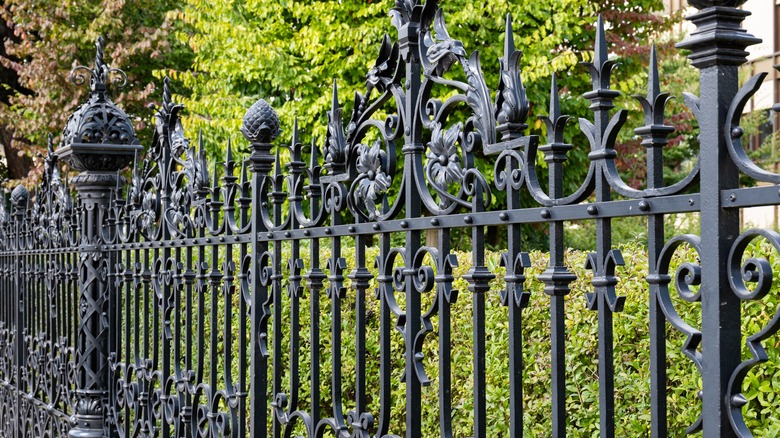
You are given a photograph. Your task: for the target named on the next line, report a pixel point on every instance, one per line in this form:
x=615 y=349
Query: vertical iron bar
x=479 y=278
x=445 y=335
x=384 y=285
x=19 y=198
x=314 y=280
x=654 y=135
x=557 y=277
x=601 y=98
x=278 y=197
x=413 y=149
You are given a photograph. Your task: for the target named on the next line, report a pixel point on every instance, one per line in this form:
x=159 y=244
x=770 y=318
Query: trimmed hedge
x=631 y=352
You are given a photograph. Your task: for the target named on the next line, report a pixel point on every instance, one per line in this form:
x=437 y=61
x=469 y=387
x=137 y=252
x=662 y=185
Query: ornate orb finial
x=703 y=4
x=20 y=197
x=261 y=123
x=98 y=136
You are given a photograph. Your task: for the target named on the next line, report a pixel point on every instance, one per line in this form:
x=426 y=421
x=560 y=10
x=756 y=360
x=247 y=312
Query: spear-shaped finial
x=229 y=152
x=201 y=150
x=653 y=105
x=295 y=139
x=509 y=38
x=335 y=101
x=296 y=161
x=555 y=102
x=214 y=181
x=244 y=175
x=601 y=68
x=313 y=159
x=278 y=166
x=653 y=83
x=556 y=148
x=600 y=54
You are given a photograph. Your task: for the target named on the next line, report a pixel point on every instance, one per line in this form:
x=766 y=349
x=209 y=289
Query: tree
x=45 y=39
x=290 y=52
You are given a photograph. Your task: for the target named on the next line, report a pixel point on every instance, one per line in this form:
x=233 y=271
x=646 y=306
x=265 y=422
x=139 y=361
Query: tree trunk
x=18 y=165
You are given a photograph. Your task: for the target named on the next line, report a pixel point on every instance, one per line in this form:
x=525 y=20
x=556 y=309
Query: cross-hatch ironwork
x=171 y=304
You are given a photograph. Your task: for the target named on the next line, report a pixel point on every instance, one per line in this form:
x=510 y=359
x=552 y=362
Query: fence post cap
x=261 y=123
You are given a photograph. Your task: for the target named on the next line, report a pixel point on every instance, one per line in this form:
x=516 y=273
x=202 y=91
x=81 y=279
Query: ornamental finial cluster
x=99 y=135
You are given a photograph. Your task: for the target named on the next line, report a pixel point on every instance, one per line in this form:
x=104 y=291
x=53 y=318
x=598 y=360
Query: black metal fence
x=174 y=304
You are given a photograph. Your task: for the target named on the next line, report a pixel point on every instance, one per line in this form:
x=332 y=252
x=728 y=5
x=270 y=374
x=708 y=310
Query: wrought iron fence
x=174 y=304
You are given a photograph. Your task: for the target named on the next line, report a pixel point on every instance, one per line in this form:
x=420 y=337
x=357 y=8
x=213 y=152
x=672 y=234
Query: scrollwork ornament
x=751 y=280
x=444 y=166
x=687 y=275
x=373 y=180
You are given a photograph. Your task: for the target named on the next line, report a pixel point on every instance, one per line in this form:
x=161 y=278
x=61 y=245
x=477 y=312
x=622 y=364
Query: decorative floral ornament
x=444 y=51
x=444 y=162
x=373 y=179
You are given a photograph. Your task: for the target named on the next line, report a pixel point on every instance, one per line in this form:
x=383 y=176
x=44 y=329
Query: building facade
x=763 y=57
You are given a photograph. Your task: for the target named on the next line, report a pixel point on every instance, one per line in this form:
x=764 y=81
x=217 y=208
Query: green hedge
x=631 y=352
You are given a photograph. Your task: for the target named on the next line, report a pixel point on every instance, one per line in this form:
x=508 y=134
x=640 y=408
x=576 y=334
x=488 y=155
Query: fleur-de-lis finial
x=655 y=102
x=555 y=123
x=601 y=67
x=556 y=148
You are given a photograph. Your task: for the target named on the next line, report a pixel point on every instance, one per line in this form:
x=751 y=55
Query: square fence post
x=99 y=141
x=717 y=50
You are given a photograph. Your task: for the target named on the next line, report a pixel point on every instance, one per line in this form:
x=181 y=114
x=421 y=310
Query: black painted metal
x=174 y=305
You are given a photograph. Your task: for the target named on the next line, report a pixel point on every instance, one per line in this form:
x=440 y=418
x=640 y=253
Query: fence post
x=260 y=127
x=99 y=141
x=717 y=50
x=20 y=200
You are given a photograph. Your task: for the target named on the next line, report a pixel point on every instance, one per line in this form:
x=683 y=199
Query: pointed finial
x=244 y=176
x=229 y=153
x=653 y=83
x=295 y=140
x=313 y=159
x=509 y=38
x=601 y=55
x=335 y=101
x=555 y=103
x=296 y=147
x=278 y=166
x=214 y=181
x=201 y=151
